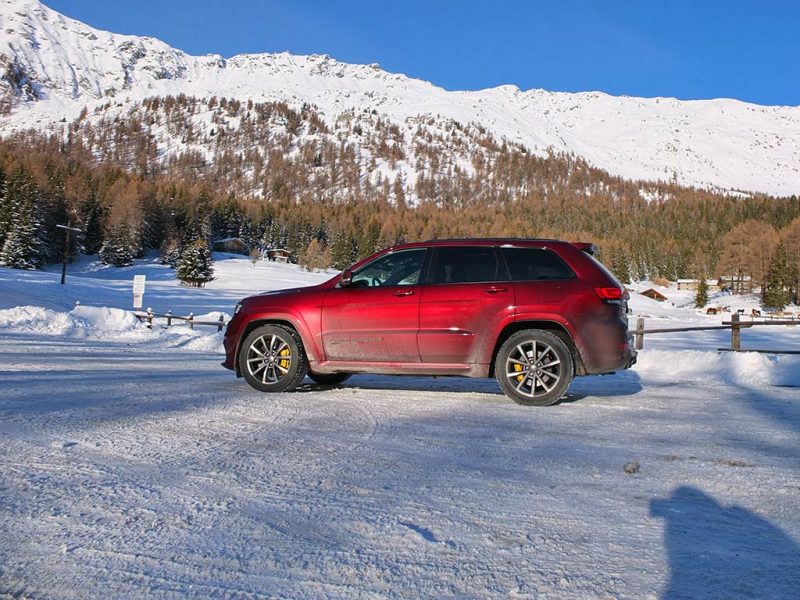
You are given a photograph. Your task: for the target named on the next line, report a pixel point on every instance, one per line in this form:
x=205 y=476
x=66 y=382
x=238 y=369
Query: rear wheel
x=329 y=378
x=272 y=359
x=534 y=367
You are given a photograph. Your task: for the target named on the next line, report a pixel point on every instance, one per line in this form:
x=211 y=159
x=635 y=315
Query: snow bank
x=82 y=321
x=104 y=323
x=746 y=369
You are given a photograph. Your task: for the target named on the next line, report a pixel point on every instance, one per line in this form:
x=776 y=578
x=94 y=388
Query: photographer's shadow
x=716 y=551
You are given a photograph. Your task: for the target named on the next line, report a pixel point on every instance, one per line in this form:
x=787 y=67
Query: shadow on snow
x=717 y=551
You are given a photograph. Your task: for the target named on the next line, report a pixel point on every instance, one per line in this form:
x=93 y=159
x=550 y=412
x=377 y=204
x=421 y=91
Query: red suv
x=532 y=313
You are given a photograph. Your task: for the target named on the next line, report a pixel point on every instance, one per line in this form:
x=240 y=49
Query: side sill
x=394 y=368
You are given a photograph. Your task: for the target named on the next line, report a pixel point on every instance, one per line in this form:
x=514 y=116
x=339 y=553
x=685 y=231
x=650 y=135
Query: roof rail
x=492 y=239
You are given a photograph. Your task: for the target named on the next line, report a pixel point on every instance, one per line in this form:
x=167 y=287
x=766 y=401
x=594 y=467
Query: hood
x=284 y=292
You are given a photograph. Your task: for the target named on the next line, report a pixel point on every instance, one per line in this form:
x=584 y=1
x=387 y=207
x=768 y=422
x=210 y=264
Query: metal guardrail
x=148 y=316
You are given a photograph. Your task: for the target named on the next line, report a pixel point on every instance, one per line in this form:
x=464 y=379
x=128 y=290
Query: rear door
x=467 y=295
x=376 y=318
x=542 y=280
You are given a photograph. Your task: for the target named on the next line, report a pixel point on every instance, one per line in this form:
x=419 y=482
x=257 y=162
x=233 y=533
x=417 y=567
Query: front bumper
x=231 y=341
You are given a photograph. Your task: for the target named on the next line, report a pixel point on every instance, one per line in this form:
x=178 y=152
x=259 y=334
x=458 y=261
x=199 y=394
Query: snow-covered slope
x=54 y=66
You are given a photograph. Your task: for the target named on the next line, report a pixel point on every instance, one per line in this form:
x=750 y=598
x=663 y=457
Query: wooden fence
x=735 y=325
x=148 y=317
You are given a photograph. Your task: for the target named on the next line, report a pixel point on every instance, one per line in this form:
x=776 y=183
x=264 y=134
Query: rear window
x=536 y=264
x=464 y=264
x=606 y=271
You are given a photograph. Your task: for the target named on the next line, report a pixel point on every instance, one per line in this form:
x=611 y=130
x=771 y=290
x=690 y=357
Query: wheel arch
x=256 y=323
x=551 y=326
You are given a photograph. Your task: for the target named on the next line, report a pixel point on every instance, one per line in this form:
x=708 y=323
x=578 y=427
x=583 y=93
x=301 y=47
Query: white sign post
x=138 y=290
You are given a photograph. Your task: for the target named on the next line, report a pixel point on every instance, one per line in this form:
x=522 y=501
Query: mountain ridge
x=54 y=66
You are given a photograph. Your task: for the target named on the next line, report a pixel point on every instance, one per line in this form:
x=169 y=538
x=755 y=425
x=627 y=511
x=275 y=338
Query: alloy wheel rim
x=533 y=368
x=269 y=358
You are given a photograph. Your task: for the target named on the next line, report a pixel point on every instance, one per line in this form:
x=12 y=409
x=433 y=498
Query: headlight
x=238 y=308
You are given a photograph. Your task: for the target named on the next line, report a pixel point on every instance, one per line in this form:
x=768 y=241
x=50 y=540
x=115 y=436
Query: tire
x=534 y=367
x=329 y=379
x=264 y=355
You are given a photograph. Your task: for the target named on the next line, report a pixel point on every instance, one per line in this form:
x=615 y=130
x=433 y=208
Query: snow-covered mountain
x=54 y=66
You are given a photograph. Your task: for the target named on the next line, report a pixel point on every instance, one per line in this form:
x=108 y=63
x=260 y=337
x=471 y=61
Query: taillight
x=610 y=293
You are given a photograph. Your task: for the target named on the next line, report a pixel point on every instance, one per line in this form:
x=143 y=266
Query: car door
x=543 y=282
x=376 y=317
x=467 y=295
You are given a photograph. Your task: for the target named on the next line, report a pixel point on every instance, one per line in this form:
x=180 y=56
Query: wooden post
x=190 y=320
x=66 y=253
x=169 y=318
x=221 y=323
x=639 y=337
x=150 y=317
x=736 y=333
x=67 y=228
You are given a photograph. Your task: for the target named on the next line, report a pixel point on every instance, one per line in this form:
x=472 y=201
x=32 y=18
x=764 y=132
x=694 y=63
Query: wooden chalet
x=654 y=294
x=231 y=246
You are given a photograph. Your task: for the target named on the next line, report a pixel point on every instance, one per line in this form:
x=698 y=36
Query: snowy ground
x=132 y=464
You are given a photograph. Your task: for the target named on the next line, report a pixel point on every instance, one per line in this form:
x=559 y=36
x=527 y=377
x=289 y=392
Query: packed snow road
x=133 y=470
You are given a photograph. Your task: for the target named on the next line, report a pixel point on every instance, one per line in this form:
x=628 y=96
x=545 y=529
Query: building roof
x=228 y=239
x=652 y=293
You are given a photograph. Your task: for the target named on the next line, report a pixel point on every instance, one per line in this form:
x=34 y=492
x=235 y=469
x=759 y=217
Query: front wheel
x=329 y=378
x=534 y=367
x=272 y=359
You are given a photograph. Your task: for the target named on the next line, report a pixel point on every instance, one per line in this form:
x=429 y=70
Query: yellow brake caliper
x=519 y=368
x=285 y=361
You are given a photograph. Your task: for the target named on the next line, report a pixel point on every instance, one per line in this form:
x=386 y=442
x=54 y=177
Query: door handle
x=404 y=293
x=495 y=290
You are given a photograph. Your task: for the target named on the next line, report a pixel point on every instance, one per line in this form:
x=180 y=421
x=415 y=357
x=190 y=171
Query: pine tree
x=19 y=249
x=226 y=219
x=198 y=226
x=368 y=240
x=119 y=249
x=701 y=297
x=247 y=232
x=58 y=213
x=776 y=292
x=5 y=209
x=619 y=265
x=194 y=267
x=155 y=222
x=22 y=247
x=341 y=253
x=170 y=252
x=92 y=216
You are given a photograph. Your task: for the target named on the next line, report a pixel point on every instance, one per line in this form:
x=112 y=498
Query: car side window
x=395 y=268
x=535 y=264
x=465 y=264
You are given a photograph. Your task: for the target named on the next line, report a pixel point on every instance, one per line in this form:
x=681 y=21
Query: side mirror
x=346 y=279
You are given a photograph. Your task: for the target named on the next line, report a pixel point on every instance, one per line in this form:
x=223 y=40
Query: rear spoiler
x=587 y=247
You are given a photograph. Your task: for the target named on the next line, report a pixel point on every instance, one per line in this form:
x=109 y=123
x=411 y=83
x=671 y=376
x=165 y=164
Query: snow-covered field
x=133 y=465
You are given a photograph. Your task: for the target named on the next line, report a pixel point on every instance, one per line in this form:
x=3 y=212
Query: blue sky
x=742 y=49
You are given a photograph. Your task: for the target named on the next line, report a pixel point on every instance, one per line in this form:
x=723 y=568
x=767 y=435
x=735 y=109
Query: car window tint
x=535 y=264
x=467 y=265
x=396 y=268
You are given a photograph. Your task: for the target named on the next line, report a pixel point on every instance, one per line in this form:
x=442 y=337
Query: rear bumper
x=607 y=347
